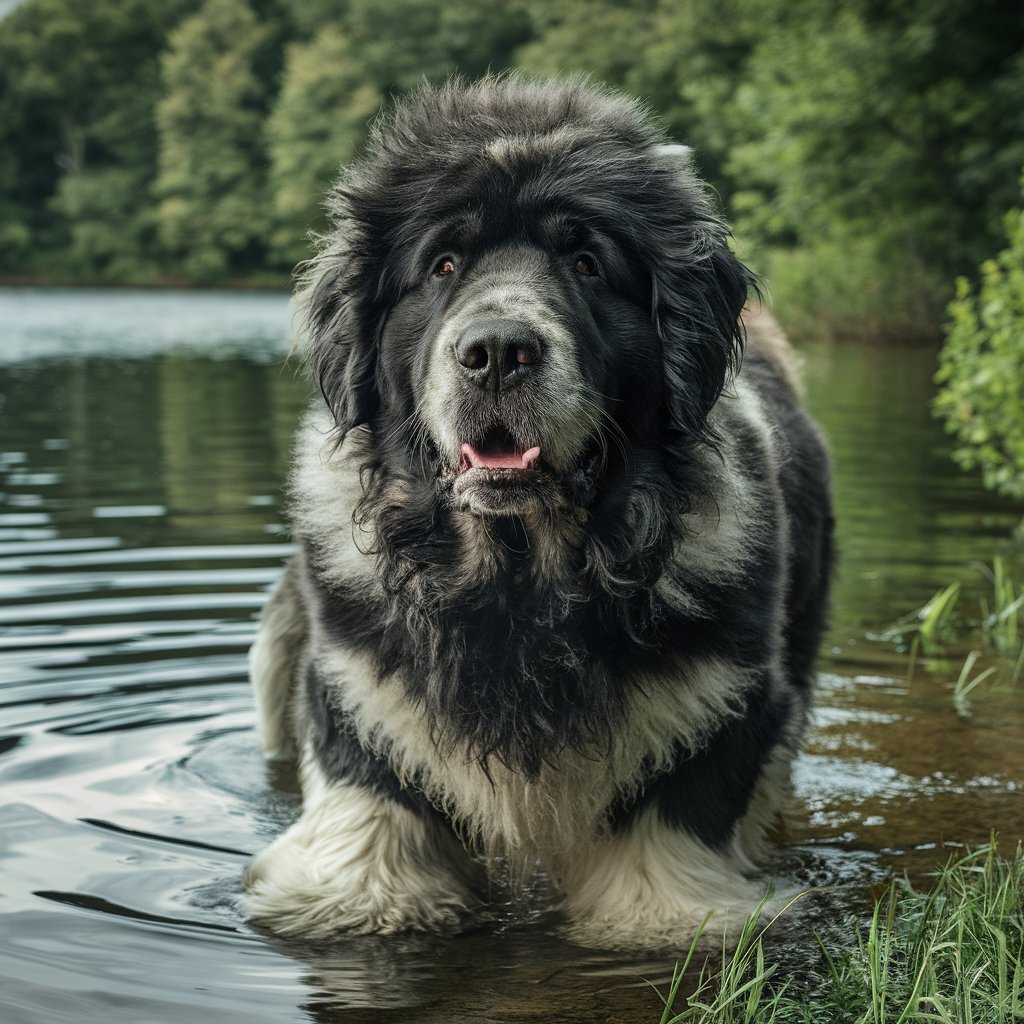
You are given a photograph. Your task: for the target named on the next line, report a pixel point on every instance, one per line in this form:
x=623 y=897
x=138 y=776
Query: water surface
x=143 y=441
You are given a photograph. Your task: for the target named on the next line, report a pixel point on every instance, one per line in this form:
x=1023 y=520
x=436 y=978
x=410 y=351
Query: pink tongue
x=499 y=460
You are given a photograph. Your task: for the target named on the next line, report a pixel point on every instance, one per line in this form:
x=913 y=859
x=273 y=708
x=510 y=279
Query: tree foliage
x=211 y=181
x=864 y=151
x=403 y=42
x=78 y=84
x=319 y=120
x=880 y=142
x=981 y=373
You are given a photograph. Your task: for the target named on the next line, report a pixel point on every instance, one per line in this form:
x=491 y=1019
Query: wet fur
x=614 y=679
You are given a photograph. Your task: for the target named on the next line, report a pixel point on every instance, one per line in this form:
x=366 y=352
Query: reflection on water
x=140 y=527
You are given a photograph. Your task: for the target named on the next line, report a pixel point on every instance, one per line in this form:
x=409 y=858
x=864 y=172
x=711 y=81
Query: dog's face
x=519 y=338
x=525 y=295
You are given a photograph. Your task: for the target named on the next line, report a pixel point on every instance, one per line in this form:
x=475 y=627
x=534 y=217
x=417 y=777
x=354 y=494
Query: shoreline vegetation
x=163 y=282
x=952 y=953
x=863 y=162
x=942 y=630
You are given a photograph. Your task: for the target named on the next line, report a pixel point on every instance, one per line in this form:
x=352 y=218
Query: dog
x=561 y=569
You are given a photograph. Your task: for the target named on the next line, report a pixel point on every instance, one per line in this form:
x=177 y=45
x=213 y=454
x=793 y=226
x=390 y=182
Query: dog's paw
x=651 y=927
x=298 y=902
x=655 y=887
x=386 y=872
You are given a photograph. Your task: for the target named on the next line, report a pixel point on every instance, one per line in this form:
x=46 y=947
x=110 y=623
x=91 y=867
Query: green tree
x=362 y=52
x=981 y=372
x=211 y=183
x=79 y=80
x=309 y=16
x=657 y=50
x=316 y=125
x=872 y=149
x=606 y=39
x=617 y=43
x=402 y=42
x=865 y=152
x=109 y=223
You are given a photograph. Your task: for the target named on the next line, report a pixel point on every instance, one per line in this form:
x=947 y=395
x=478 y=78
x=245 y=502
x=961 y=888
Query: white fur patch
x=509 y=815
x=726 y=530
x=653 y=886
x=326 y=481
x=359 y=863
x=509 y=148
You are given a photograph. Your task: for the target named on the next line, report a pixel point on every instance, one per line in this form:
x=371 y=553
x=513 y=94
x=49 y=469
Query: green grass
x=952 y=954
x=932 y=622
x=936 y=626
x=966 y=683
x=1003 y=621
x=739 y=989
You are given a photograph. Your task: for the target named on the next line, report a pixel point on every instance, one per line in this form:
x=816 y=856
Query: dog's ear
x=698 y=289
x=337 y=336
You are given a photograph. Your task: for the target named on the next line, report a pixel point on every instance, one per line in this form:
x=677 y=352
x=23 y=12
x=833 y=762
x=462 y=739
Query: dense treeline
x=865 y=151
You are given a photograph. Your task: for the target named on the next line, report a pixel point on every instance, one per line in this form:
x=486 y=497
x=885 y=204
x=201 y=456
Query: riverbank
x=268 y=282
x=802 y=325
x=950 y=953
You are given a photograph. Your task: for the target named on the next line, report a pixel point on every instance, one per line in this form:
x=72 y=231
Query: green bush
x=850 y=286
x=981 y=374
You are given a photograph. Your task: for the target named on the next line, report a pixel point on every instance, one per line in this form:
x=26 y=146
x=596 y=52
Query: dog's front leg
x=359 y=861
x=651 y=885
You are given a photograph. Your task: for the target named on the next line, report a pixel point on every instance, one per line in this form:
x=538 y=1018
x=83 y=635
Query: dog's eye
x=444 y=266
x=586 y=265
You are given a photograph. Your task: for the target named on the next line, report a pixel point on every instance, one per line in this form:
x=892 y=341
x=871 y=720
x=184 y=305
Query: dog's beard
x=503 y=669
x=504 y=687
x=510 y=665
x=505 y=603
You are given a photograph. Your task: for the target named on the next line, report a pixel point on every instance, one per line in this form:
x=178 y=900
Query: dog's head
x=527 y=289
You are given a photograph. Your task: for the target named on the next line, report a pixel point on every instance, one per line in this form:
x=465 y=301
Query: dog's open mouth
x=499 y=474
x=491 y=459
x=499 y=451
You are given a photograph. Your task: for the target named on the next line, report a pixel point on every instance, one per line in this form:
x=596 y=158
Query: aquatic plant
x=932 y=621
x=981 y=372
x=966 y=683
x=1003 y=622
x=1000 y=626
x=953 y=954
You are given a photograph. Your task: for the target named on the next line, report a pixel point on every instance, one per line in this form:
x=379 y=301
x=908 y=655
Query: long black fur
x=503 y=664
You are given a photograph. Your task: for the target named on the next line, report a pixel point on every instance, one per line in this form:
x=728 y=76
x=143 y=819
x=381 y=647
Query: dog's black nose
x=497 y=354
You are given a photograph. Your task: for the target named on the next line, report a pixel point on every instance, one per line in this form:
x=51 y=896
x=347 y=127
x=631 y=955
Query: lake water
x=143 y=441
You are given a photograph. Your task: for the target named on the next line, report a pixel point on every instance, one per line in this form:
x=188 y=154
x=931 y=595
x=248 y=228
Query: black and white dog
x=562 y=570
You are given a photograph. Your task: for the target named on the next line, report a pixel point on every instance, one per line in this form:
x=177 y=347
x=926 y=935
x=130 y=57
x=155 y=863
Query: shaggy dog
x=561 y=570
